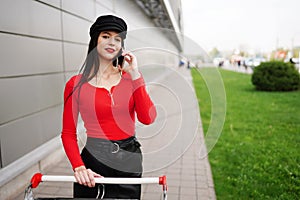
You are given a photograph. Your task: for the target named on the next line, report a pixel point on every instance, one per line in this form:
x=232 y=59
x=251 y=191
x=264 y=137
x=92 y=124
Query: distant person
x=245 y=65
x=221 y=63
x=108 y=96
x=238 y=63
x=188 y=65
x=181 y=63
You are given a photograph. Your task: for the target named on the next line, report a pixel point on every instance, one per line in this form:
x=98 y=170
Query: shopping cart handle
x=38 y=177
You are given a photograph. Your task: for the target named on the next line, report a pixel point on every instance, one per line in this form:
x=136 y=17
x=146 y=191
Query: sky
x=257 y=25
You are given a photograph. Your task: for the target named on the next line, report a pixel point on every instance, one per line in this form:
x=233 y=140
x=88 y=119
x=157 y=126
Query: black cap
x=109 y=23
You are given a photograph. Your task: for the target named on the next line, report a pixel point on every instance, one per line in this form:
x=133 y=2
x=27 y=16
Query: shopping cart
x=38 y=178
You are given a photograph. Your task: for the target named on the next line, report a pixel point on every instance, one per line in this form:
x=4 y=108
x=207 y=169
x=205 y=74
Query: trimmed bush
x=276 y=76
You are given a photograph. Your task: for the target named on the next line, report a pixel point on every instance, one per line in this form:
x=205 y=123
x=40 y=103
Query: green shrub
x=276 y=76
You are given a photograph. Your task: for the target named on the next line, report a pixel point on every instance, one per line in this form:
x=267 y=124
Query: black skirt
x=121 y=158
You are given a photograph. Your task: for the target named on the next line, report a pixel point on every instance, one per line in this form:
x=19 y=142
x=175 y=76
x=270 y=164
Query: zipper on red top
x=110 y=94
x=111 y=98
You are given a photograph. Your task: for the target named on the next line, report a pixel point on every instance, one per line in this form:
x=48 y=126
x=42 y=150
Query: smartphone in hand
x=119 y=60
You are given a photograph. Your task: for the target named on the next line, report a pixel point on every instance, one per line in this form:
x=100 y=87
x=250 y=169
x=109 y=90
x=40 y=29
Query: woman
x=108 y=96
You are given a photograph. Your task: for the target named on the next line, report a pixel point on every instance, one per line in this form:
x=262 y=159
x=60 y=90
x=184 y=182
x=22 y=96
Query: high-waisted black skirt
x=121 y=158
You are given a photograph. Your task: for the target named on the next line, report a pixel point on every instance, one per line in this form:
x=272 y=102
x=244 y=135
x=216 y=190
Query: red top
x=106 y=114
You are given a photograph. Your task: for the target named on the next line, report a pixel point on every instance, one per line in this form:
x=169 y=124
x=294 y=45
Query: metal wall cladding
x=23 y=56
x=38 y=40
x=75 y=29
x=74 y=55
x=21 y=97
x=55 y=3
x=110 y=5
x=84 y=9
x=24 y=135
x=30 y=18
x=42 y=44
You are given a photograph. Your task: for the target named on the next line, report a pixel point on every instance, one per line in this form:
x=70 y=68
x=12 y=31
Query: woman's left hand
x=132 y=67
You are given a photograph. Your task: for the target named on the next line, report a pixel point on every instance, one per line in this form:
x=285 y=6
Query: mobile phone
x=119 y=60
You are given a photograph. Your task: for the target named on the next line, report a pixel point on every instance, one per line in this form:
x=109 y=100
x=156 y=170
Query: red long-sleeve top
x=106 y=114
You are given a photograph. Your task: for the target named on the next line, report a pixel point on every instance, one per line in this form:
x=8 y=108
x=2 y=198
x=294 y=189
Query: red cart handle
x=162 y=180
x=36 y=179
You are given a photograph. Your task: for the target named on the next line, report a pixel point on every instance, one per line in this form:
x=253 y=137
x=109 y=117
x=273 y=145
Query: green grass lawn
x=258 y=153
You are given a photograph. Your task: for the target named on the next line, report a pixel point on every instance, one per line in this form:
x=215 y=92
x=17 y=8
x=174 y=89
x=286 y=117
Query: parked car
x=294 y=60
x=254 y=62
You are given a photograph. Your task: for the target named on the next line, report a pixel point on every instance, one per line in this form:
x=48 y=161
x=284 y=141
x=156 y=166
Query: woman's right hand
x=85 y=176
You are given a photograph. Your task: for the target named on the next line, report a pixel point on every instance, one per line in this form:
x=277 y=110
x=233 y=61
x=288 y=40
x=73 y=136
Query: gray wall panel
x=24 y=135
x=162 y=50
x=27 y=95
x=24 y=55
x=33 y=18
x=85 y=9
x=55 y=3
x=69 y=75
x=75 y=55
x=100 y=10
x=75 y=29
x=107 y=4
x=133 y=15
